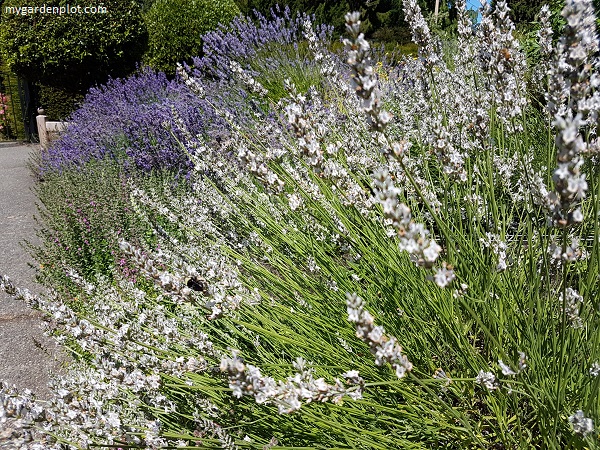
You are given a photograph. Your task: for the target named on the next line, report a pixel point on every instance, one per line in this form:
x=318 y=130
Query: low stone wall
x=48 y=130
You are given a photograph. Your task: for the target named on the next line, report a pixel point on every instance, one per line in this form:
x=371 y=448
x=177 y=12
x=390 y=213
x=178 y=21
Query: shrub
x=13 y=123
x=58 y=102
x=175 y=29
x=75 y=208
x=269 y=50
x=126 y=118
x=72 y=52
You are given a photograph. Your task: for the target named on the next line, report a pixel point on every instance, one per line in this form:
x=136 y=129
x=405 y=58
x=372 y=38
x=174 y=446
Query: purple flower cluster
x=242 y=39
x=132 y=120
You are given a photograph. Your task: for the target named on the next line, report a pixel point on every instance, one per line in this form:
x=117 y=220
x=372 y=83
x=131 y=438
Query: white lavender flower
x=487 y=379
x=428 y=46
x=328 y=66
x=522 y=364
x=572 y=303
x=385 y=348
x=506 y=370
x=444 y=276
x=363 y=77
x=571 y=78
x=581 y=425
x=413 y=237
x=289 y=395
x=465 y=27
x=570 y=186
x=191 y=82
x=503 y=61
x=545 y=33
x=450 y=157
x=295 y=201
x=498 y=247
x=247 y=79
x=573 y=103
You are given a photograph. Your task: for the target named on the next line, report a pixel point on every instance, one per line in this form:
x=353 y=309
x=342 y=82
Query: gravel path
x=26 y=355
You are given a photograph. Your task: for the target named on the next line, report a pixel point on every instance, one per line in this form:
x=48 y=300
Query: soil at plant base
x=26 y=355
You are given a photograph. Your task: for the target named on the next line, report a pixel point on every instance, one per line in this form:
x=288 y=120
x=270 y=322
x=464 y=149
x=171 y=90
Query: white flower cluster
x=247 y=79
x=581 y=424
x=498 y=247
x=363 y=78
x=190 y=81
x=501 y=59
x=539 y=79
x=289 y=395
x=573 y=103
x=572 y=301
x=450 y=157
x=256 y=163
x=177 y=285
x=130 y=340
x=328 y=66
x=569 y=182
x=572 y=77
x=521 y=365
x=465 y=24
x=20 y=413
x=307 y=128
x=545 y=33
x=428 y=47
x=574 y=250
x=444 y=275
x=413 y=237
x=217 y=289
x=385 y=348
x=487 y=379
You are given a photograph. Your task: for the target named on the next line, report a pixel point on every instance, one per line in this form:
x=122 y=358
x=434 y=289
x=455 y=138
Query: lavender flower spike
x=245 y=379
x=385 y=348
x=420 y=32
x=363 y=77
x=573 y=102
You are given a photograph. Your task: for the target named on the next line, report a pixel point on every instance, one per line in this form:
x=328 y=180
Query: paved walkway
x=25 y=353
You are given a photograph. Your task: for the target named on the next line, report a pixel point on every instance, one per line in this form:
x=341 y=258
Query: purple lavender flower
x=243 y=39
x=132 y=120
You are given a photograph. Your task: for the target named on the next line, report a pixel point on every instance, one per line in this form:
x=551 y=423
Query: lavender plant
x=265 y=51
x=386 y=267
x=130 y=121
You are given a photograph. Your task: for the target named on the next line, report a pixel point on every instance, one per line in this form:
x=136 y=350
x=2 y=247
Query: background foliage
x=175 y=29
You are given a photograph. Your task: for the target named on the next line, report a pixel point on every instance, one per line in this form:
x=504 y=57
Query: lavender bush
x=268 y=50
x=407 y=261
x=131 y=121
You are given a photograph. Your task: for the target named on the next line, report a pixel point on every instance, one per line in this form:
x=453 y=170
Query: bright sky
x=474 y=4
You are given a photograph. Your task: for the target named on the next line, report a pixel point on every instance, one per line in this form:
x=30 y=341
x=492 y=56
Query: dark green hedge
x=175 y=27
x=12 y=121
x=58 y=102
x=75 y=50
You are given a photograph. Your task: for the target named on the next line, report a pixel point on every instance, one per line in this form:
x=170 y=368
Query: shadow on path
x=26 y=355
